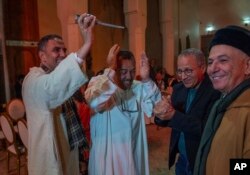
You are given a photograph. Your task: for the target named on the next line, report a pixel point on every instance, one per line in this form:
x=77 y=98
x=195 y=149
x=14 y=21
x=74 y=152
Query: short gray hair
x=198 y=54
x=44 y=40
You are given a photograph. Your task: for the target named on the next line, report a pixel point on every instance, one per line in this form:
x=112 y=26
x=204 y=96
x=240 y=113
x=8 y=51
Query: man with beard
x=187 y=110
x=118 y=133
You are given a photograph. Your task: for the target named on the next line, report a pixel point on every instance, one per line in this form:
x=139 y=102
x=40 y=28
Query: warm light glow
x=246 y=21
x=210 y=28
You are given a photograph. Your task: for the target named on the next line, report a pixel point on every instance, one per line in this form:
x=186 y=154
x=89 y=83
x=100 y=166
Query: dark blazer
x=192 y=122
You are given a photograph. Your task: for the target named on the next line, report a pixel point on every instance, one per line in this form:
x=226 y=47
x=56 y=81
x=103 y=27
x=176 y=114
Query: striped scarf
x=75 y=131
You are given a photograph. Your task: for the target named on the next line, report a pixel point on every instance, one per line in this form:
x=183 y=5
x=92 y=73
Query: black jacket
x=192 y=122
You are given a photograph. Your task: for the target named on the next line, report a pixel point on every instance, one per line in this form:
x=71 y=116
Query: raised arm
x=102 y=87
x=144 y=68
x=86 y=23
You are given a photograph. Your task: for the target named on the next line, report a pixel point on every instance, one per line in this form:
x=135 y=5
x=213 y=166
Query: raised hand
x=111 y=58
x=144 y=67
x=86 y=23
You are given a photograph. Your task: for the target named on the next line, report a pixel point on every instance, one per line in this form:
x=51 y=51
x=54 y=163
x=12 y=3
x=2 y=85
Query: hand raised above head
x=86 y=20
x=111 y=58
x=86 y=23
x=144 y=67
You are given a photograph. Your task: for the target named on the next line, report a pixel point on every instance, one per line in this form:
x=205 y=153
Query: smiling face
x=227 y=67
x=125 y=69
x=52 y=54
x=189 y=71
x=126 y=73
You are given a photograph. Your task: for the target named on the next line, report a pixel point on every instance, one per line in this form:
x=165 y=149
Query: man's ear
x=204 y=69
x=41 y=55
x=247 y=71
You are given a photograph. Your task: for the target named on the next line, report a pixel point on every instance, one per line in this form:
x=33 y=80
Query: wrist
x=113 y=67
x=83 y=51
x=110 y=74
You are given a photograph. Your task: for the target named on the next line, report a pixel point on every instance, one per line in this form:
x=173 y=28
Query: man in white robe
x=118 y=133
x=45 y=89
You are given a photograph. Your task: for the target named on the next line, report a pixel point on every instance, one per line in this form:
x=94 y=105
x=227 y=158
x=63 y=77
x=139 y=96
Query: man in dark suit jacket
x=187 y=111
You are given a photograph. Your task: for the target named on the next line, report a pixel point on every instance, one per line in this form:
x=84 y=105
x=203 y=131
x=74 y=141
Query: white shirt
x=118 y=133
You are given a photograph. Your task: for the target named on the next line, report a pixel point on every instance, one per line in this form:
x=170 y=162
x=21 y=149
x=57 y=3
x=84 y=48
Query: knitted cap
x=234 y=36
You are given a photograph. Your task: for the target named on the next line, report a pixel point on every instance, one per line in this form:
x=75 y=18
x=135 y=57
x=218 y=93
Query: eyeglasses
x=185 y=71
x=127 y=108
x=129 y=103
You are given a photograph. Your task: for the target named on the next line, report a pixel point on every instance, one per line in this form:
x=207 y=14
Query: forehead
x=125 y=64
x=186 y=61
x=55 y=42
x=227 y=50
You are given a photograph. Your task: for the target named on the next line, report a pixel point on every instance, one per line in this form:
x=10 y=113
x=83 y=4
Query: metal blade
x=109 y=25
x=102 y=23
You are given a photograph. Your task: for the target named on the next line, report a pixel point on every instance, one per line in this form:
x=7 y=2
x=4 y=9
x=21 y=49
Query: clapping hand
x=111 y=59
x=164 y=109
x=144 y=68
